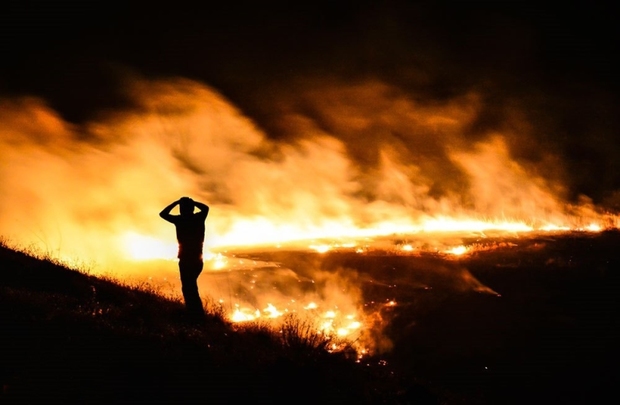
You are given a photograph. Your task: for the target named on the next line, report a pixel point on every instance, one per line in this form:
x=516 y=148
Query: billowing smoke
x=343 y=160
x=354 y=156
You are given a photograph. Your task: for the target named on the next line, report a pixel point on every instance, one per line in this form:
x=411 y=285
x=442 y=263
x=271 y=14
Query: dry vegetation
x=551 y=337
x=68 y=337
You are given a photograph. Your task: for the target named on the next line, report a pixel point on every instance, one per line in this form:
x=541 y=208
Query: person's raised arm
x=203 y=208
x=165 y=213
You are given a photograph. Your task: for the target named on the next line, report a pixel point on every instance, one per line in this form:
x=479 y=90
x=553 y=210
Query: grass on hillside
x=69 y=337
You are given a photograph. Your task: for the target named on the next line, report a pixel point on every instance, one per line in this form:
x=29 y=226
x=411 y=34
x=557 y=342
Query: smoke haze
x=313 y=123
x=363 y=155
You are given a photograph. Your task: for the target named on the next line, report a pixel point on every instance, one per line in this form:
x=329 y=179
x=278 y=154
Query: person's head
x=186 y=206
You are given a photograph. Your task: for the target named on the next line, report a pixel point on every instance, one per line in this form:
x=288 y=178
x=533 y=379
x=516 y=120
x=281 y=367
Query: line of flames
x=332 y=322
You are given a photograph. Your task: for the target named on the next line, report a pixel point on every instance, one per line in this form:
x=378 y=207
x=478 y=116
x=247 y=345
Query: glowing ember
x=458 y=250
x=311 y=305
x=320 y=248
x=244 y=315
x=342 y=331
x=217 y=261
x=552 y=228
x=331 y=323
x=327 y=326
x=272 y=312
x=354 y=325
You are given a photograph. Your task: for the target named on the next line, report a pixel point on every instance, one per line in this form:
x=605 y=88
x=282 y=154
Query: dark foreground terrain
x=530 y=319
x=523 y=320
x=70 y=338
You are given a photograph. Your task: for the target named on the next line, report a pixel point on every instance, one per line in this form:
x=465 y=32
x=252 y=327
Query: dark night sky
x=557 y=62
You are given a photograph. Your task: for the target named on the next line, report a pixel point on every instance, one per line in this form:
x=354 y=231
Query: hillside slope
x=68 y=337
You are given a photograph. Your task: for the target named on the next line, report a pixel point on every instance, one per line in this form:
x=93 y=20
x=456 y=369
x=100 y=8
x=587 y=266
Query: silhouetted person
x=190 y=228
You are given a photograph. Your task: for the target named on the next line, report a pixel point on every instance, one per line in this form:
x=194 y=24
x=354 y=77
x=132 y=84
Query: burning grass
x=515 y=318
x=73 y=338
x=522 y=318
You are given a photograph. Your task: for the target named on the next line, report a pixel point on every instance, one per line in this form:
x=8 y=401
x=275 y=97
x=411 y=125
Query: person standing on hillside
x=190 y=229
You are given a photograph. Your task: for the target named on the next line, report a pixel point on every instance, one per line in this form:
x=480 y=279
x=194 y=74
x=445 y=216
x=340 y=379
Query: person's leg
x=190 y=270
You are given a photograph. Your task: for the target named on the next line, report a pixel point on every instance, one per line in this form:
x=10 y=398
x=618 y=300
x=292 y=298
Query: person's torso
x=190 y=235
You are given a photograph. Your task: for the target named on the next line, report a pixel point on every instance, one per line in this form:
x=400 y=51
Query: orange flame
x=371 y=163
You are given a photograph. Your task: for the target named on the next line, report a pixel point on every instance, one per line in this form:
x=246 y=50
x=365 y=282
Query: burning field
x=431 y=243
x=497 y=318
x=434 y=187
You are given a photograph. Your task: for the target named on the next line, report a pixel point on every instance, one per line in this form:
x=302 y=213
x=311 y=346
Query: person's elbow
x=201 y=206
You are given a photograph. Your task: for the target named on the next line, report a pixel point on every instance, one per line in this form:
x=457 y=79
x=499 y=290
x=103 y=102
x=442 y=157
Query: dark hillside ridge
x=67 y=337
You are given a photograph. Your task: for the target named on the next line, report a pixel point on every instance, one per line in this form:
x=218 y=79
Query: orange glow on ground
x=320 y=248
x=329 y=323
x=327 y=317
x=457 y=250
x=93 y=191
x=144 y=247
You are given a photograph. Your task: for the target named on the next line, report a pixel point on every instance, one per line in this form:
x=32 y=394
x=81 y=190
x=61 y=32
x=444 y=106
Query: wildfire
x=311 y=305
x=217 y=260
x=328 y=322
x=320 y=248
x=317 y=192
x=331 y=320
x=244 y=314
x=142 y=247
x=457 y=250
x=272 y=312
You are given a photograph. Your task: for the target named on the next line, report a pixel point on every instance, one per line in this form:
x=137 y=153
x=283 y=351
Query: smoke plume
x=354 y=156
